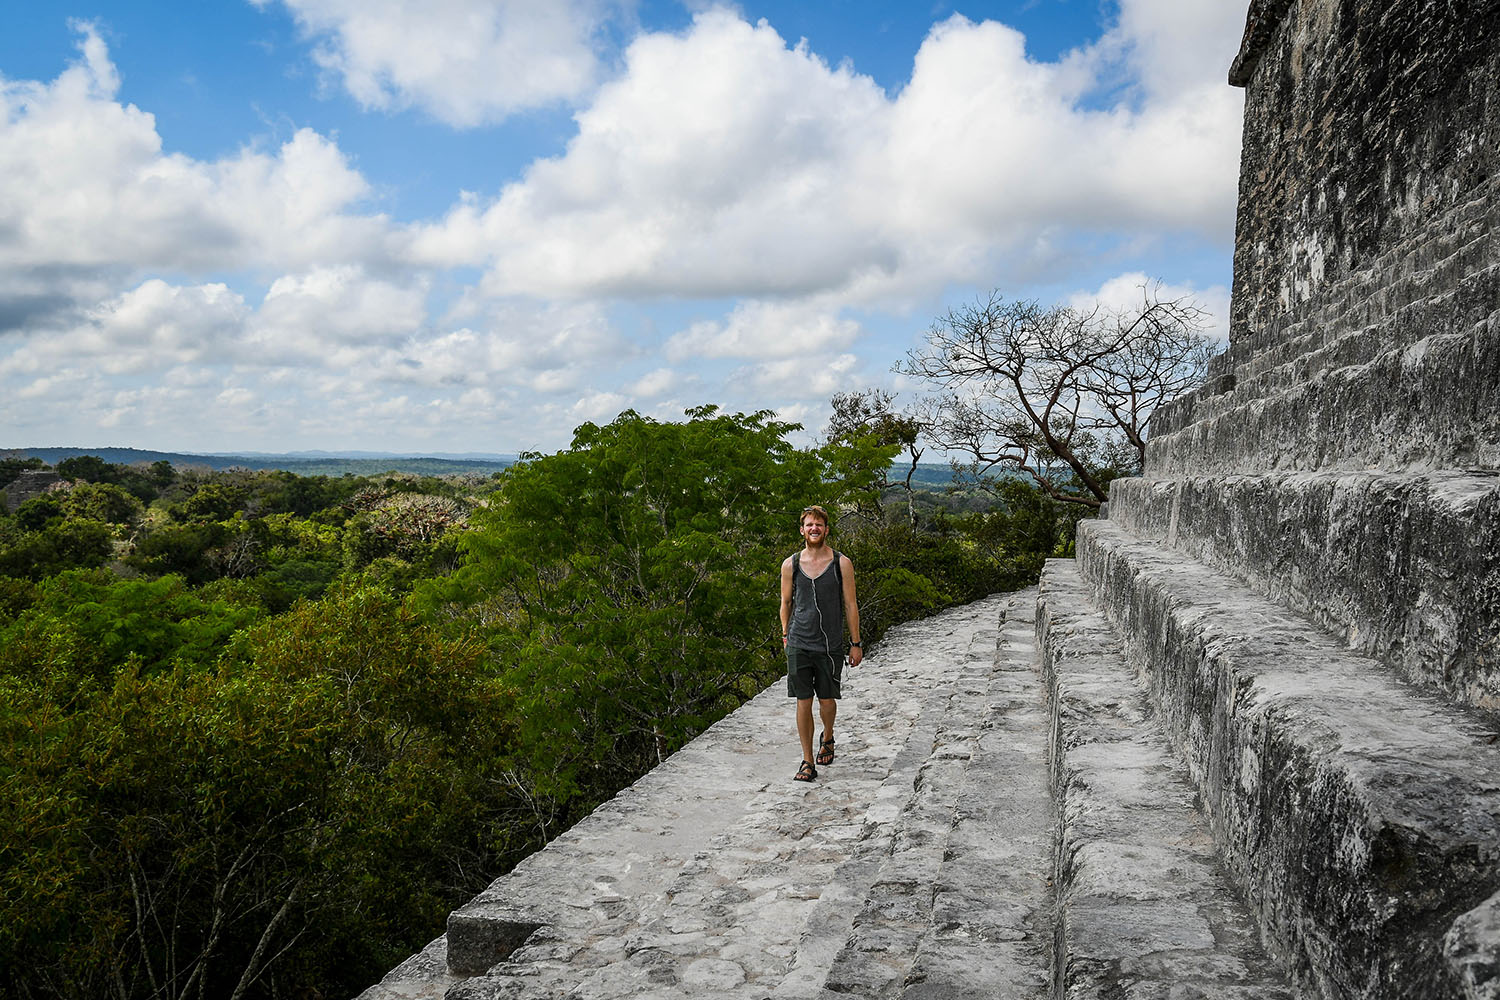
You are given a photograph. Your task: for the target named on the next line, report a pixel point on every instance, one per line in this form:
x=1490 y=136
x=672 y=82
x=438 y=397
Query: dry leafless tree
x=1060 y=394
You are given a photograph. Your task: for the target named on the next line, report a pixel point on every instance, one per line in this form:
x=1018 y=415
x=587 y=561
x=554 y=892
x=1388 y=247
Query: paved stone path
x=716 y=875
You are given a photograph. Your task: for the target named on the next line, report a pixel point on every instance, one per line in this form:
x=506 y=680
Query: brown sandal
x=825 y=750
x=806 y=772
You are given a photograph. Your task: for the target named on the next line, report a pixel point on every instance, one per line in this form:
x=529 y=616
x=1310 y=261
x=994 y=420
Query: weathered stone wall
x=1366 y=121
x=1392 y=367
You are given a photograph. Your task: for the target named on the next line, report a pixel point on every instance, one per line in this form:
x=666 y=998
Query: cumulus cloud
x=724 y=162
x=755 y=329
x=547 y=349
x=1124 y=292
x=718 y=164
x=334 y=316
x=797 y=378
x=464 y=62
x=599 y=406
x=85 y=188
x=1175 y=49
x=150 y=327
x=655 y=383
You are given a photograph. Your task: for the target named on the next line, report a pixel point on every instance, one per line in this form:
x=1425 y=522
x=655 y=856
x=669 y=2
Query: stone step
x=1357 y=323
x=1425 y=406
x=1145 y=907
x=1360 y=816
x=701 y=878
x=1326 y=342
x=954 y=909
x=991 y=933
x=1401 y=567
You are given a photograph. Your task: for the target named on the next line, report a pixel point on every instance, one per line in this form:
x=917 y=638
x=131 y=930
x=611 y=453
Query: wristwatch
x=859 y=644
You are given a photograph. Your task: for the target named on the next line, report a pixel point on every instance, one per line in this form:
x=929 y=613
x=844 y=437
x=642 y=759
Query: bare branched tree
x=1063 y=395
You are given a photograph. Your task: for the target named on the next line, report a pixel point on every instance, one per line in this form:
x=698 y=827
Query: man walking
x=817 y=597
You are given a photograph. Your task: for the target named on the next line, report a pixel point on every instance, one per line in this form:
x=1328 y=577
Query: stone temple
x=1245 y=745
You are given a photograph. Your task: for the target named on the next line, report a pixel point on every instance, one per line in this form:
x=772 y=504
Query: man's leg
x=805 y=727
x=828 y=708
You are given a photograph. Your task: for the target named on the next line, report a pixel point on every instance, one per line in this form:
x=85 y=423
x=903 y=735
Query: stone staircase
x=990 y=829
x=1358 y=813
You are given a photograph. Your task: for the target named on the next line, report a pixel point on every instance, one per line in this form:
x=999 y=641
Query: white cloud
x=756 y=329
x=799 y=378
x=1176 y=48
x=724 y=163
x=465 y=62
x=1127 y=291
x=549 y=349
x=85 y=188
x=334 y=316
x=147 y=328
x=655 y=383
x=599 y=406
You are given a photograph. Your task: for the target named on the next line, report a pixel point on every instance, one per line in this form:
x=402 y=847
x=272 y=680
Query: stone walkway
x=717 y=875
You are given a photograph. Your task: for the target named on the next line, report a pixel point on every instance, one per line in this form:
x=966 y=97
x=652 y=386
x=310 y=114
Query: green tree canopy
x=634 y=575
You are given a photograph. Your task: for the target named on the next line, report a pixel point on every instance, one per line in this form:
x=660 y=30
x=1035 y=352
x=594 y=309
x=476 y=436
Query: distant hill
x=301 y=463
x=366 y=463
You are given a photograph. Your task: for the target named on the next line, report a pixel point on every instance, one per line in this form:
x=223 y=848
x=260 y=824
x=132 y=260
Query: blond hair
x=815 y=511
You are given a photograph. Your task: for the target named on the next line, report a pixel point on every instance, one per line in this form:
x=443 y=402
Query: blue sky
x=470 y=226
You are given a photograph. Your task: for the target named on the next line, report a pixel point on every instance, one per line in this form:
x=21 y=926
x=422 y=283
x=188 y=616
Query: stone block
x=1427 y=406
x=481 y=935
x=1401 y=567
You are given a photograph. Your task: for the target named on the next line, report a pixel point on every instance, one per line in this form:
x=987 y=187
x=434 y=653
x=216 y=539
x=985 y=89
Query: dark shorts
x=809 y=671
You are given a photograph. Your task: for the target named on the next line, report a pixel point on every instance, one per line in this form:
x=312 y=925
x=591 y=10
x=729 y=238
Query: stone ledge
x=702 y=877
x=1403 y=568
x=1360 y=817
x=1144 y=905
x=1423 y=407
x=1343 y=341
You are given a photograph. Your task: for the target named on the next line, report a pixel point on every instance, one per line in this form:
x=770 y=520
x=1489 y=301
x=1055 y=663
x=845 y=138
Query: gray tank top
x=817 y=608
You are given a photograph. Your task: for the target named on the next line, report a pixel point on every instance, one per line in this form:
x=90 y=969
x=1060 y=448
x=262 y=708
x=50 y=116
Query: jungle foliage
x=260 y=732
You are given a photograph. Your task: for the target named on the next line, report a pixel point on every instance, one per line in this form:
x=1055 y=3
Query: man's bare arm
x=851 y=611
x=786 y=597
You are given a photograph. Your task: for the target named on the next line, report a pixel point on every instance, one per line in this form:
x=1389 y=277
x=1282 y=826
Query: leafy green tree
x=89 y=623
x=16 y=595
x=89 y=468
x=281 y=492
x=162 y=473
x=214 y=501
x=274 y=827
x=865 y=430
x=631 y=582
x=104 y=502
x=34 y=514
x=59 y=545
x=181 y=549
